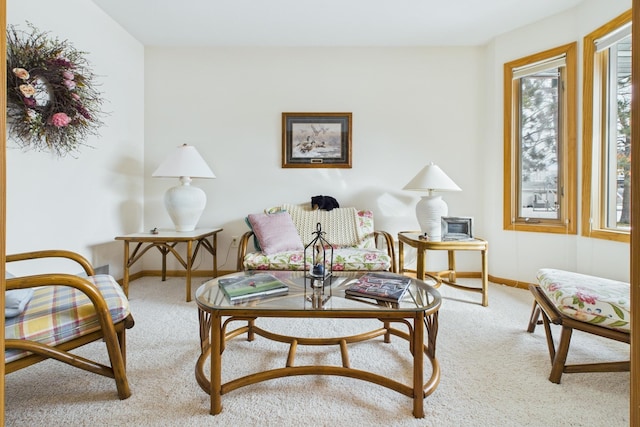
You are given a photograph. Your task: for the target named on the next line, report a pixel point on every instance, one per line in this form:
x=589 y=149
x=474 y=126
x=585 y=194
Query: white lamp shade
x=431 y=208
x=184 y=161
x=431 y=178
x=184 y=203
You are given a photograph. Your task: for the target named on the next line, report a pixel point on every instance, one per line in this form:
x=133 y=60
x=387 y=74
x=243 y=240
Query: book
x=260 y=285
x=382 y=287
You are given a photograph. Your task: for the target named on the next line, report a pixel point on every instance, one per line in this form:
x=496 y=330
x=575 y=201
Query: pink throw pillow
x=275 y=232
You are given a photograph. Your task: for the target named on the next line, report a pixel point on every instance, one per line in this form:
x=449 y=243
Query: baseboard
x=508 y=282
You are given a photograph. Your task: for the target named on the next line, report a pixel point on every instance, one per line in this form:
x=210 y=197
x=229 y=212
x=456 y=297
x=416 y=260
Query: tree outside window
x=540 y=110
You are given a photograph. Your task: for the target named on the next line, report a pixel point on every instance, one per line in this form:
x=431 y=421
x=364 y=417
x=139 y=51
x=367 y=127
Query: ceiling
x=325 y=22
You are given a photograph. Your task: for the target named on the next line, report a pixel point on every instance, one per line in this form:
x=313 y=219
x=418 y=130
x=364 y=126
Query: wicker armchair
x=64 y=312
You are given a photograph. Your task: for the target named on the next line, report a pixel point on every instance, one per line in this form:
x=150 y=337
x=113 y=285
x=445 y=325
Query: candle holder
x=318 y=275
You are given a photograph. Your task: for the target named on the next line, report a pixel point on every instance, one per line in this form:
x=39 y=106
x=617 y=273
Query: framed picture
x=316 y=140
x=457 y=228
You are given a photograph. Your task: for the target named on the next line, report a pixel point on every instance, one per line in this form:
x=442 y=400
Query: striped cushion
x=57 y=314
x=340 y=225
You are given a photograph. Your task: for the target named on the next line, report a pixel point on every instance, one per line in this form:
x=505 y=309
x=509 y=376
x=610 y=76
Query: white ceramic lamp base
x=429 y=211
x=185 y=205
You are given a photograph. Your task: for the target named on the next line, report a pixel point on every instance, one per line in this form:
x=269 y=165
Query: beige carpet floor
x=494 y=373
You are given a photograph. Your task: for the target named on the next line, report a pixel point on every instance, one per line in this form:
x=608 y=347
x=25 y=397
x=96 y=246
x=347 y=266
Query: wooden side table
x=448 y=277
x=165 y=241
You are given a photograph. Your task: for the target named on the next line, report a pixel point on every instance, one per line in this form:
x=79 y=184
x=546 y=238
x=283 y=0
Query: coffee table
x=417 y=312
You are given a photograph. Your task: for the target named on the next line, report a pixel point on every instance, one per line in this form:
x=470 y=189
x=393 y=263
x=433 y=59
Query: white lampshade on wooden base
x=431 y=208
x=185 y=204
x=429 y=211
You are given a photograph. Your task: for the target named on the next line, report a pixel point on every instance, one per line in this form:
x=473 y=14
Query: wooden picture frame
x=316 y=140
x=457 y=228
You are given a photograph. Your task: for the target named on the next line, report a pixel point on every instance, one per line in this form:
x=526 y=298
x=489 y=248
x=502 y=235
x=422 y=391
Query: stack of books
x=380 y=286
x=245 y=288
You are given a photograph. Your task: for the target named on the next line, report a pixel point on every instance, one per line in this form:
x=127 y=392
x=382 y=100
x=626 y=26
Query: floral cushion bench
x=577 y=301
x=281 y=233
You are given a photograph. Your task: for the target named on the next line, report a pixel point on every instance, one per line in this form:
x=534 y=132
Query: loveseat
x=277 y=239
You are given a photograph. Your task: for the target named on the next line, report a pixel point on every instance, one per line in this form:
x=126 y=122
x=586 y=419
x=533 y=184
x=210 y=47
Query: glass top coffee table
x=416 y=313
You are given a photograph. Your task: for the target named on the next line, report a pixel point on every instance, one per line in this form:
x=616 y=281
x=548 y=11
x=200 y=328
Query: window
x=606 y=204
x=540 y=142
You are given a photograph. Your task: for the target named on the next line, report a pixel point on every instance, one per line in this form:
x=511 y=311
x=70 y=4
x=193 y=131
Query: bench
x=586 y=303
x=287 y=228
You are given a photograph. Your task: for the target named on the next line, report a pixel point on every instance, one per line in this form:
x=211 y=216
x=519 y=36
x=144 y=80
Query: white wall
x=410 y=106
x=518 y=255
x=82 y=203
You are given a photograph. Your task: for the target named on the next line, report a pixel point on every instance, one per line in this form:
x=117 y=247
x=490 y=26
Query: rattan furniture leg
x=543 y=307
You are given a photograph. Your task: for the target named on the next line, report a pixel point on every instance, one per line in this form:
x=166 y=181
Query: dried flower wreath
x=51 y=102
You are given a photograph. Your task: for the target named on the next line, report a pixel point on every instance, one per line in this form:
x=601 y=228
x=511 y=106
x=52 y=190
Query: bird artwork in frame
x=316 y=140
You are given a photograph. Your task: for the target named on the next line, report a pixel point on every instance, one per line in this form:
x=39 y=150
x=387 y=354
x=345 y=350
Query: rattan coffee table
x=416 y=314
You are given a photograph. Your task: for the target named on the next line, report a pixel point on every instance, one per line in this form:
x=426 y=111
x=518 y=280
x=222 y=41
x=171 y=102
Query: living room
x=408 y=104
x=411 y=105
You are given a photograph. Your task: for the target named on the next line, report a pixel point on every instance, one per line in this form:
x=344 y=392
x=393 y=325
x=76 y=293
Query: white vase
x=185 y=204
x=429 y=211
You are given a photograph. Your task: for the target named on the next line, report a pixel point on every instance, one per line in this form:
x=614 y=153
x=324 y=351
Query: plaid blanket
x=58 y=314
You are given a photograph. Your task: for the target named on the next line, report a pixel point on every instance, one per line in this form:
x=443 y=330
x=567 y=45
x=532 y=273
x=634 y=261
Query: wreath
x=51 y=102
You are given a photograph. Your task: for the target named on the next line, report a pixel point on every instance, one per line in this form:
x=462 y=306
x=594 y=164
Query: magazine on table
x=383 y=287
x=242 y=288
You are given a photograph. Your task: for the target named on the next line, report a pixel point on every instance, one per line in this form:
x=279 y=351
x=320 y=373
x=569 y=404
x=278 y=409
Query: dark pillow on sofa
x=275 y=232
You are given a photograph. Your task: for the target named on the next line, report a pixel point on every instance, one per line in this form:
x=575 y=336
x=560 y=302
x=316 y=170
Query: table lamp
x=184 y=203
x=431 y=208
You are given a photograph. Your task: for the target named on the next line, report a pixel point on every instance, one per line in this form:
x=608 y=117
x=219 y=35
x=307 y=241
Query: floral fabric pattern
x=365 y=222
x=344 y=259
x=590 y=299
x=291 y=260
x=350 y=259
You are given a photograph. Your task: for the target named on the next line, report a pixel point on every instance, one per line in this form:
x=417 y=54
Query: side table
x=165 y=241
x=448 y=277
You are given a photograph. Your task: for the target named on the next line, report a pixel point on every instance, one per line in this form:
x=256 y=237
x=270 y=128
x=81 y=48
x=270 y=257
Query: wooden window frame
x=566 y=224
x=592 y=205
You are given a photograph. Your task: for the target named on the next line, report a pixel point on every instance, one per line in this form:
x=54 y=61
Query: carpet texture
x=494 y=373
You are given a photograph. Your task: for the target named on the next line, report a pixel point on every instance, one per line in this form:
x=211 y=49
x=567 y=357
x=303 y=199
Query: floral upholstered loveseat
x=281 y=233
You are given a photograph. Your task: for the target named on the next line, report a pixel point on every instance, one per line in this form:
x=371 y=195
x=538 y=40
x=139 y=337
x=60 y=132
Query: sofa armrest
x=389 y=245
x=243 y=245
x=62 y=279
x=54 y=253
